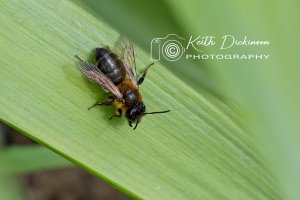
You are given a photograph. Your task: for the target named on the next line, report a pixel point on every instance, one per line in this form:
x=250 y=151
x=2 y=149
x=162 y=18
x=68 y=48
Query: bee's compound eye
x=142 y=107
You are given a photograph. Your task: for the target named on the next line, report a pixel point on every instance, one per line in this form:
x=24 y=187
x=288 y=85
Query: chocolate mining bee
x=115 y=72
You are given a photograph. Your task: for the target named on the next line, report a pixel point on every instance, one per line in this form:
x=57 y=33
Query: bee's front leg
x=108 y=102
x=142 y=78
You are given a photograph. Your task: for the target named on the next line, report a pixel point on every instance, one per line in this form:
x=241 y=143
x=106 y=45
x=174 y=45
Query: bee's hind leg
x=142 y=78
x=108 y=102
x=118 y=114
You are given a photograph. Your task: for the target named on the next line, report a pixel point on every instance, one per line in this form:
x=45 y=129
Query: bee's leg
x=107 y=47
x=108 y=102
x=142 y=78
x=78 y=58
x=118 y=114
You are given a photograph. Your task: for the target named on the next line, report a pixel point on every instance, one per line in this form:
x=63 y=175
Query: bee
x=115 y=72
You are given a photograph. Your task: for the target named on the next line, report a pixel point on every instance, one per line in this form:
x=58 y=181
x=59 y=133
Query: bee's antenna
x=159 y=112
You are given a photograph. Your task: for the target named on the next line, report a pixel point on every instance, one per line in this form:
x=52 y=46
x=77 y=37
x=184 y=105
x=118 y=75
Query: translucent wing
x=95 y=75
x=125 y=51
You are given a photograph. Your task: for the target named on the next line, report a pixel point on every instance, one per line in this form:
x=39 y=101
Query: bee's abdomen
x=110 y=65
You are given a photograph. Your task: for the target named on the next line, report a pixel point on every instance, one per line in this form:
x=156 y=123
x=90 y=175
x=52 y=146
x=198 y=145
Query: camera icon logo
x=170 y=47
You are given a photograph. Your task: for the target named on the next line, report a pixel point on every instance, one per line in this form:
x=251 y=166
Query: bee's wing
x=95 y=75
x=125 y=51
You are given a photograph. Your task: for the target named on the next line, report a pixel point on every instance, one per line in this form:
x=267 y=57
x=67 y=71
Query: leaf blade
x=48 y=102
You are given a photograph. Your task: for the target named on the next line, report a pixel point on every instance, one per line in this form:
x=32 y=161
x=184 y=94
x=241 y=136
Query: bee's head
x=135 y=114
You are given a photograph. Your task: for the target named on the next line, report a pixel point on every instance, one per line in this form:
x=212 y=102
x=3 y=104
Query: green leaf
x=20 y=160
x=197 y=151
x=265 y=90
